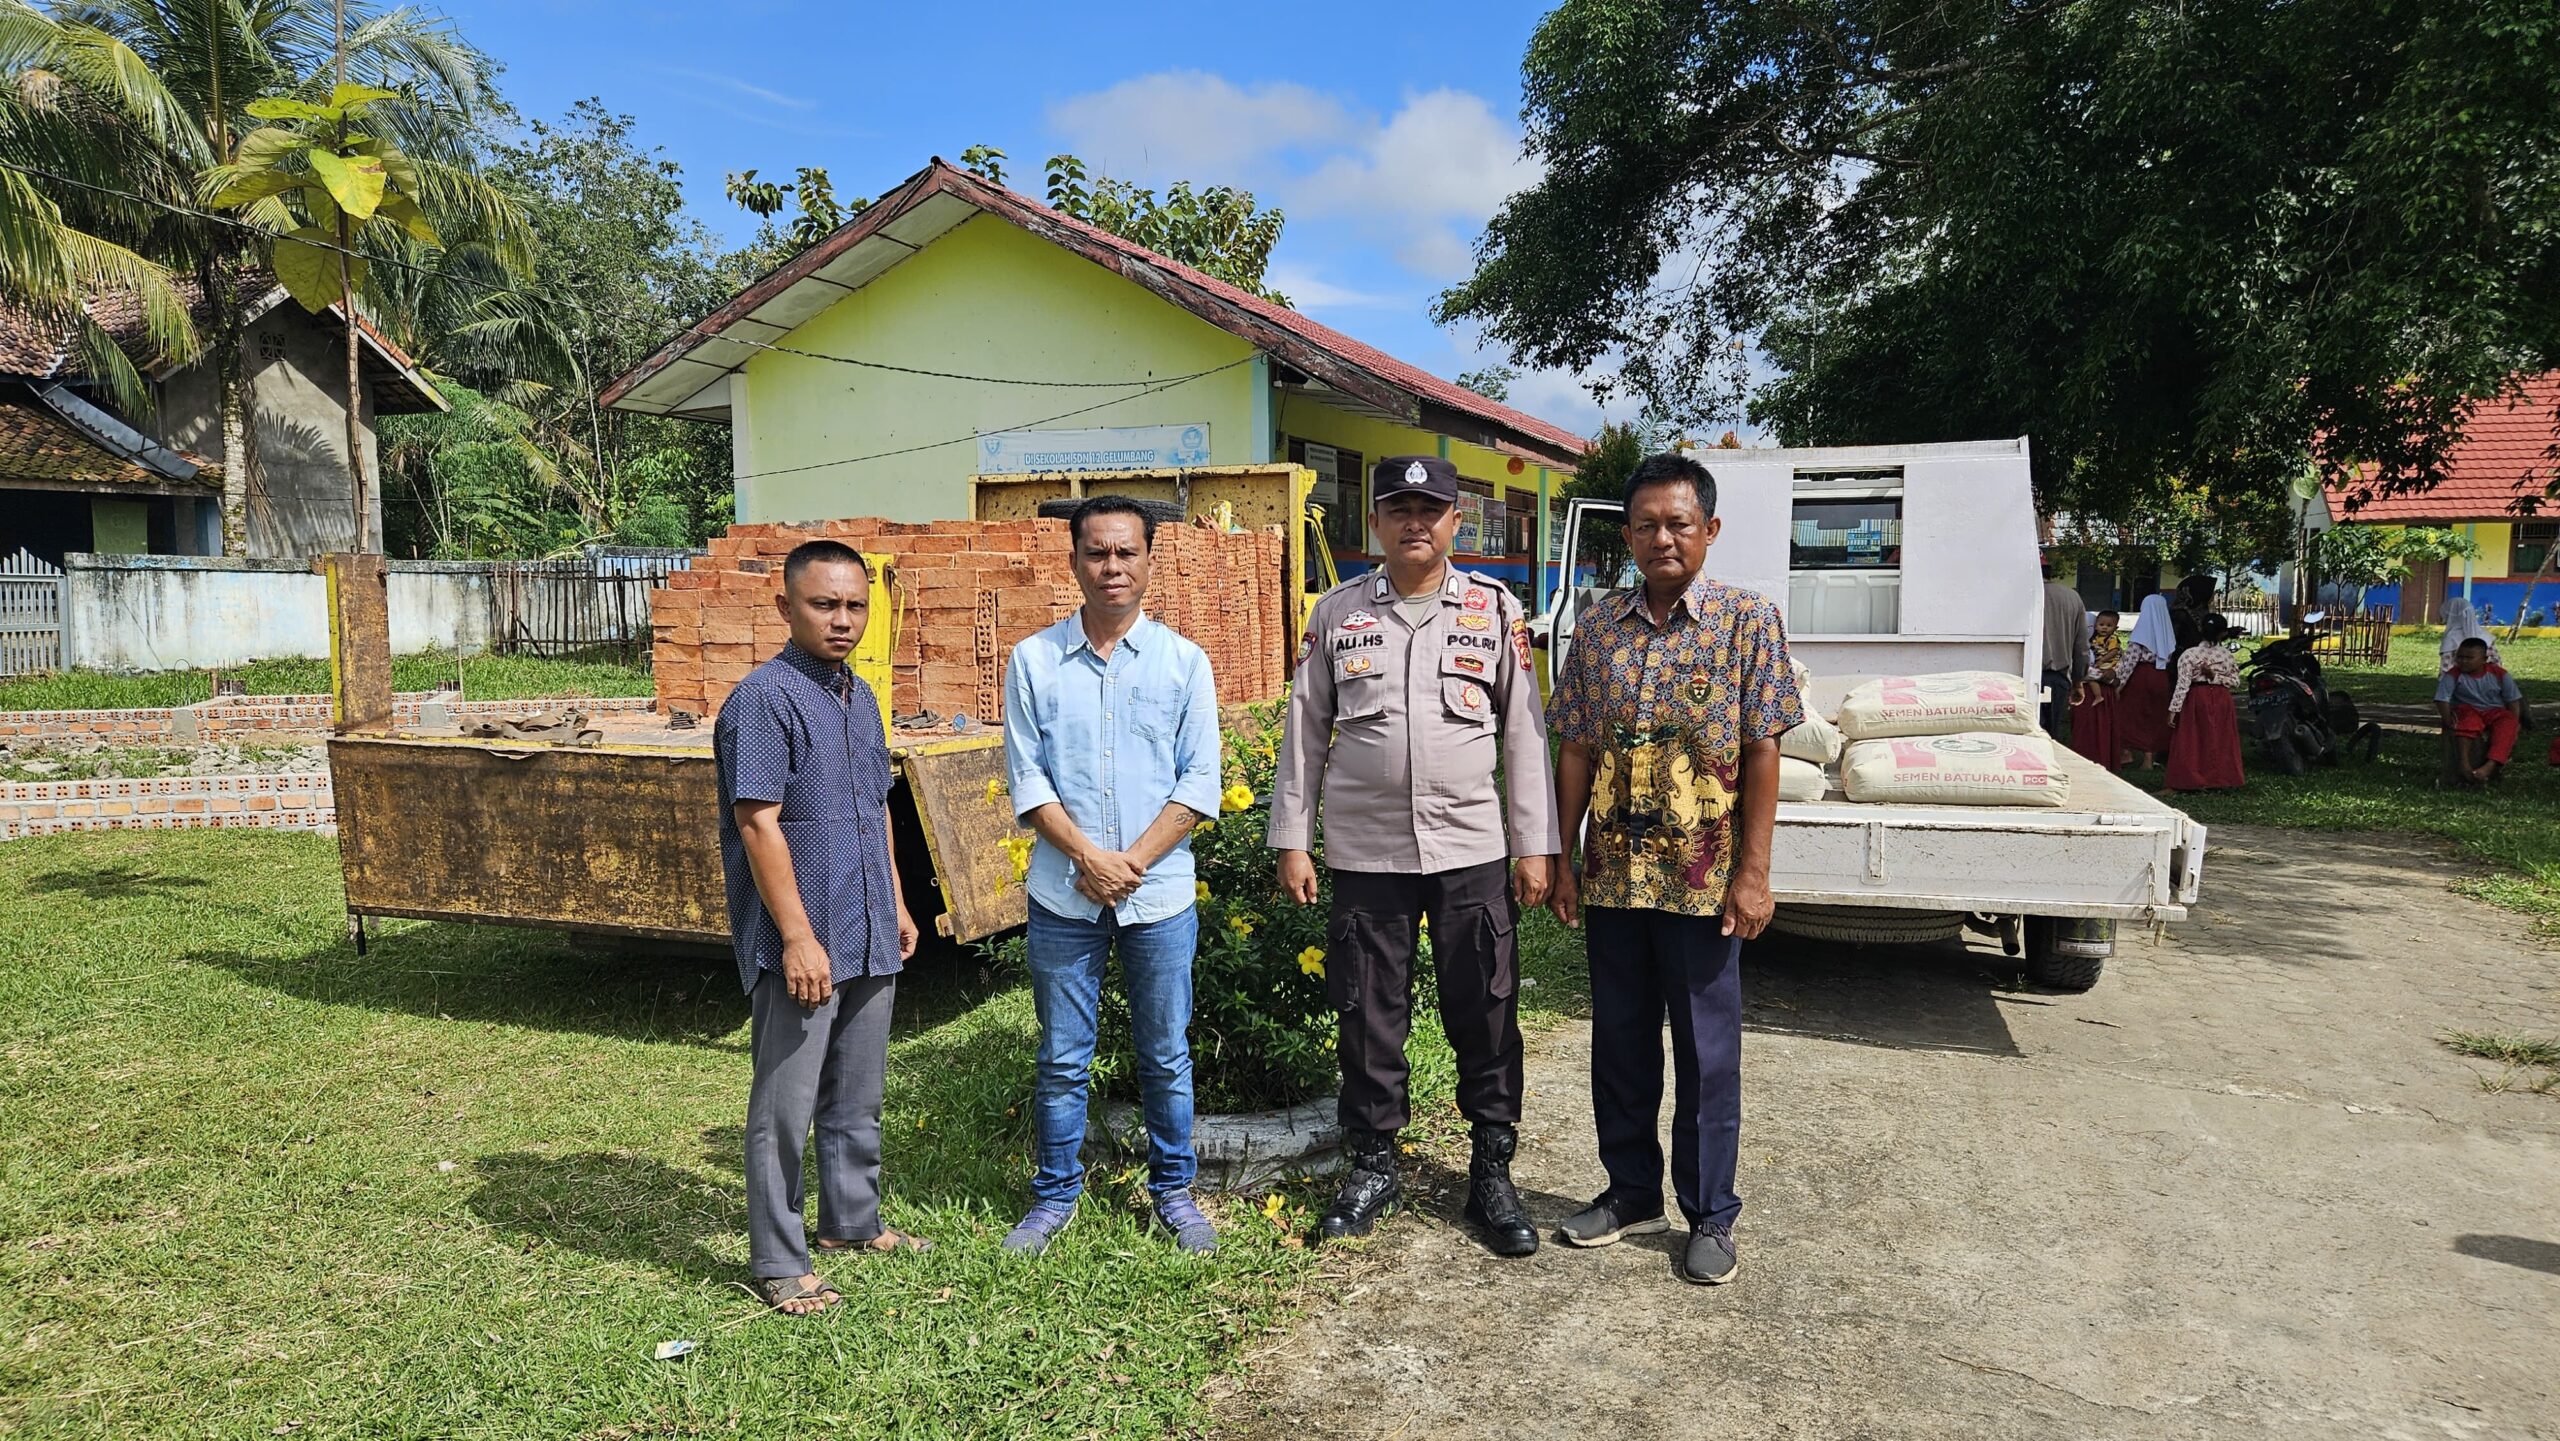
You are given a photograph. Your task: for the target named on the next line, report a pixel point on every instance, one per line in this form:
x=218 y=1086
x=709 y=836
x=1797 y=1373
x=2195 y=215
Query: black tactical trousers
x=1369 y=954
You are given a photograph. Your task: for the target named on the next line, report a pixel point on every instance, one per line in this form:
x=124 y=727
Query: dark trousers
x=2055 y=714
x=821 y=1068
x=1369 y=953
x=1647 y=964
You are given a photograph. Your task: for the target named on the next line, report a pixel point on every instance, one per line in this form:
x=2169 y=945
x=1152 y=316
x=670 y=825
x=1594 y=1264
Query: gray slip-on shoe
x=1609 y=1219
x=1191 y=1230
x=1711 y=1259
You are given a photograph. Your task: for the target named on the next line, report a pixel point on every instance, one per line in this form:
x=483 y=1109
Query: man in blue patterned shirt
x=1669 y=708
x=815 y=915
x=1111 y=750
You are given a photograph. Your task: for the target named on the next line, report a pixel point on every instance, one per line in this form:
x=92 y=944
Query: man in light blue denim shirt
x=1111 y=749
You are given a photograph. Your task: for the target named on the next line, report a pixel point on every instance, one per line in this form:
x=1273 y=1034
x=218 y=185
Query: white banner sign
x=1116 y=447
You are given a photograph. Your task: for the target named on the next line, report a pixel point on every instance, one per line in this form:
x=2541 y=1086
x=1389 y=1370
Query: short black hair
x=1670 y=469
x=1094 y=505
x=2474 y=643
x=820 y=552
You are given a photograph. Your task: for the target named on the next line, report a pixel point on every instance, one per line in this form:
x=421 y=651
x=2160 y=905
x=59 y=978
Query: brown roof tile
x=38 y=446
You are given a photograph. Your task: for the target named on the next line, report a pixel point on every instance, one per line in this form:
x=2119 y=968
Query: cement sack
x=1976 y=768
x=1817 y=740
x=1800 y=780
x=1950 y=703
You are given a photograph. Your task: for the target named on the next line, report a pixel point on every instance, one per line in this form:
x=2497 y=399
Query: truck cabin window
x=1844 y=554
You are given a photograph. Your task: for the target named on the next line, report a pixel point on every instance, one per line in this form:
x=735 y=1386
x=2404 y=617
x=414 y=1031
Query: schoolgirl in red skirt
x=2204 y=741
x=2144 y=683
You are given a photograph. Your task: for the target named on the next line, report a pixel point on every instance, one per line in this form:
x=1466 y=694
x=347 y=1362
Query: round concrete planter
x=1239 y=1152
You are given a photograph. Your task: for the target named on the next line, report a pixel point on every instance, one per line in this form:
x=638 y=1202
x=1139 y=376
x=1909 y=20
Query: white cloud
x=1423 y=182
x=1308 y=290
x=1190 y=125
x=742 y=87
x=1444 y=157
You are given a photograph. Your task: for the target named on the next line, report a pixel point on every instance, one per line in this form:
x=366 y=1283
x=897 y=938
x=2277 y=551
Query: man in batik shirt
x=1670 y=706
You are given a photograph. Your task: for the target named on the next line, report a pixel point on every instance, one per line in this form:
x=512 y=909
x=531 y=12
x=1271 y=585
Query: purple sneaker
x=1191 y=1230
x=1032 y=1234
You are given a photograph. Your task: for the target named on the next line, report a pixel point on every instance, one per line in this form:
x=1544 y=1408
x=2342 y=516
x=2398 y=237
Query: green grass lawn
x=2515 y=824
x=253 y=1185
x=484 y=677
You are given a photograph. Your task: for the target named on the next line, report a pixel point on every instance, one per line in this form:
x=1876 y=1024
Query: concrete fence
x=183 y=612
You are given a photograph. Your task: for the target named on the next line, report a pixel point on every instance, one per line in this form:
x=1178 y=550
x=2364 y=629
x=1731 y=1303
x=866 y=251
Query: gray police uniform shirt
x=1395 y=729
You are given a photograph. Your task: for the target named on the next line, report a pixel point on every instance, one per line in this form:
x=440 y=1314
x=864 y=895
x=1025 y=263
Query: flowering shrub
x=1261 y=1028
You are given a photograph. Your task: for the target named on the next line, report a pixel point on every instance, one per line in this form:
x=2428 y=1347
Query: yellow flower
x=1272 y=1206
x=1205 y=828
x=1311 y=961
x=1241 y=925
x=995 y=790
x=1018 y=850
x=1238 y=797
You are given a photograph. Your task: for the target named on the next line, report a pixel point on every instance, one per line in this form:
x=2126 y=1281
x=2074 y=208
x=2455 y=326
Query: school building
x=956 y=329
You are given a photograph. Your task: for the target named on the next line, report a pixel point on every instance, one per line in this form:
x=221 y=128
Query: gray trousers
x=824 y=1067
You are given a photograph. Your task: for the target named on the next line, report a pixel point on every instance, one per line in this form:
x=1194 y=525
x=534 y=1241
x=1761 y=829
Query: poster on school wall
x=1108 y=447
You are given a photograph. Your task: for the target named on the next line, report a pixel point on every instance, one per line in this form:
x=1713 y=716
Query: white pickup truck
x=1902 y=560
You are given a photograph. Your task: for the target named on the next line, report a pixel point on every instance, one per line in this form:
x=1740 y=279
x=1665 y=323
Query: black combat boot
x=1369 y=1191
x=1491 y=1202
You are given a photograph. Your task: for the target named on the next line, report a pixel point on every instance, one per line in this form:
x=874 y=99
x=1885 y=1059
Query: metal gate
x=595 y=603
x=30 y=616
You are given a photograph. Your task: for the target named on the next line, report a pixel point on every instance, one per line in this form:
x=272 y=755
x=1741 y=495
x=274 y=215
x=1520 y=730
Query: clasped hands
x=1107 y=878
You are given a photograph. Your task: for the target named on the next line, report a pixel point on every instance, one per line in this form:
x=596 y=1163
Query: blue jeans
x=1067 y=958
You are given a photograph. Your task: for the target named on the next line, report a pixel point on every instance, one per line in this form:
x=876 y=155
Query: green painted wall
x=119 y=527
x=986 y=299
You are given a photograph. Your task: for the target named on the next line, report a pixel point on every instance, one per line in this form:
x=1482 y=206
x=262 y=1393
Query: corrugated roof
x=1319 y=349
x=2505 y=455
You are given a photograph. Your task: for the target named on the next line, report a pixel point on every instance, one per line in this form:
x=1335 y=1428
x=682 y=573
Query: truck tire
x=2067 y=953
x=1162 y=512
x=1867 y=925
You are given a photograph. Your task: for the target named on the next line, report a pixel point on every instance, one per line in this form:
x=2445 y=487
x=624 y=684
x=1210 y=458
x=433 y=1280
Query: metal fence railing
x=30 y=616
x=594 y=602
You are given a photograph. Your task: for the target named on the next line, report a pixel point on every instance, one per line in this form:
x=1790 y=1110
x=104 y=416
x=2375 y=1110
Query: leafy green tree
x=1493 y=382
x=331 y=183
x=191 y=68
x=1220 y=231
x=2208 y=242
x=64 y=107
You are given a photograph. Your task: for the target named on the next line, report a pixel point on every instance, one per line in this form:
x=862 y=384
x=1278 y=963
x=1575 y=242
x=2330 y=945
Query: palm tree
x=59 y=250
x=204 y=62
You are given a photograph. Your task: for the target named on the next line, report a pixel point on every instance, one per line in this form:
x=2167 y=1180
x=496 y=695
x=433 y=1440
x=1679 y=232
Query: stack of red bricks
x=966 y=592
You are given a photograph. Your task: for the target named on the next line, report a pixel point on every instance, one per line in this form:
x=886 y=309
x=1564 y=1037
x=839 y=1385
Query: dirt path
x=2236 y=1191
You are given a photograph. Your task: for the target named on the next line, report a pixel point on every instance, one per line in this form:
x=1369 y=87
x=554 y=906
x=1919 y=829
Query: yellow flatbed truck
x=621 y=837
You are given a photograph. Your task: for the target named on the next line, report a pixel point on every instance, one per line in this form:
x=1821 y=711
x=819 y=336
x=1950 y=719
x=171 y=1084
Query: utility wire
x=234 y=222
x=1154 y=388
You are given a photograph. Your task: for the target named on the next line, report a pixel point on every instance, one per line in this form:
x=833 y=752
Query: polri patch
x=1478 y=600
x=1359 y=620
x=1471 y=664
x=1359 y=665
x=1473 y=621
x=1471 y=697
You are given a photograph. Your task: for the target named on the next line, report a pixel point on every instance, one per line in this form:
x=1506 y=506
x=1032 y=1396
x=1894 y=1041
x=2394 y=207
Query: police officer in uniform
x=1412 y=683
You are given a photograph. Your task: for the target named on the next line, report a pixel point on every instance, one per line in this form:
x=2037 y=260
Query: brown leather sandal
x=780 y=1291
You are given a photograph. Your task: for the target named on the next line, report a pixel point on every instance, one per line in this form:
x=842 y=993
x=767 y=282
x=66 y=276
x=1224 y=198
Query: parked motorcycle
x=2298 y=721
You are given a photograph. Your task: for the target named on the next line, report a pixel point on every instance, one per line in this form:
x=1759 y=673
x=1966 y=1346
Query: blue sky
x=1389 y=132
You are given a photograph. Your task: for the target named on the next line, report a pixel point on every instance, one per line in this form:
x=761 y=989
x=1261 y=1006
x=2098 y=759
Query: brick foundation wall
x=300 y=801
x=966 y=593
x=244 y=717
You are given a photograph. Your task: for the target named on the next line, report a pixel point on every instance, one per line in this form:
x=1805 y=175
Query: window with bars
x=2533 y=542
